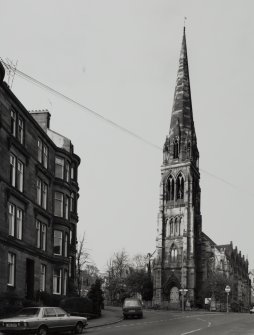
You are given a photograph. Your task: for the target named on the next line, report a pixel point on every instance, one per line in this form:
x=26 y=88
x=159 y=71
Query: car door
x=50 y=318
x=64 y=320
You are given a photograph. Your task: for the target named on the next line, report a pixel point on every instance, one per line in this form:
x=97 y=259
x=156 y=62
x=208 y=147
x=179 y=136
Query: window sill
x=13 y=141
x=45 y=171
x=17 y=194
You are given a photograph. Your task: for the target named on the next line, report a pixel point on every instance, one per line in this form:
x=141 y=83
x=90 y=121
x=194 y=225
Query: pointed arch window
x=179 y=225
x=171 y=227
x=166 y=149
x=170 y=188
x=176 y=148
x=173 y=254
x=188 y=149
x=180 y=186
x=176 y=227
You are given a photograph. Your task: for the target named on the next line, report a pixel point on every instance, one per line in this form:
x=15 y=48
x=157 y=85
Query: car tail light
x=23 y=324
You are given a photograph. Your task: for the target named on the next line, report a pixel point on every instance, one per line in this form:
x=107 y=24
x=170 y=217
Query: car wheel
x=42 y=331
x=78 y=328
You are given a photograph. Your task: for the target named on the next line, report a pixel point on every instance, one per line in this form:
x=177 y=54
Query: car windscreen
x=29 y=312
x=132 y=303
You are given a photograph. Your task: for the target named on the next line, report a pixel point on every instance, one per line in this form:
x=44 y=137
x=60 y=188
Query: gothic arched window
x=180 y=186
x=176 y=226
x=170 y=188
x=188 y=149
x=176 y=148
x=166 y=150
x=173 y=254
x=171 y=227
x=179 y=225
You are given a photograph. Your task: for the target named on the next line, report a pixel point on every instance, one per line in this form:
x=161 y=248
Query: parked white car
x=42 y=321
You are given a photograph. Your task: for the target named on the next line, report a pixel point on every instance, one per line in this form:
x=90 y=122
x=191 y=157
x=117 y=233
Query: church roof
x=207 y=238
x=182 y=118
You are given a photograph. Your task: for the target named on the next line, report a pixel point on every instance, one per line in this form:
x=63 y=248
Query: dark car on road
x=132 y=308
x=42 y=321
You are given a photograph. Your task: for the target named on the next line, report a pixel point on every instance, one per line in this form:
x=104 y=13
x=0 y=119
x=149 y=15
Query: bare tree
x=139 y=262
x=82 y=260
x=118 y=269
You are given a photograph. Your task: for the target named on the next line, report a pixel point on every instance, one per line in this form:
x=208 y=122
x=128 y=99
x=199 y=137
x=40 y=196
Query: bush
x=29 y=303
x=47 y=299
x=96 y=296
x=77 y=305
x=9 y=304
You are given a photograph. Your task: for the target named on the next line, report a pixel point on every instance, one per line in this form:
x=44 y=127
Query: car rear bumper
x=133 y=313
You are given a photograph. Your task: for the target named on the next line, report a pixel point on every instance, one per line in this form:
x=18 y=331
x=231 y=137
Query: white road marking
x=192 y=331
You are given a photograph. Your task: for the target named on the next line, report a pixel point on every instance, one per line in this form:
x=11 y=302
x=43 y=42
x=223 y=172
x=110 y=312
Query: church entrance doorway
x=174 y=295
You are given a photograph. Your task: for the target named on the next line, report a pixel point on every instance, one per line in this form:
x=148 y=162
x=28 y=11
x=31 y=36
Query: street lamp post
x=183 y=291
x=227 y=290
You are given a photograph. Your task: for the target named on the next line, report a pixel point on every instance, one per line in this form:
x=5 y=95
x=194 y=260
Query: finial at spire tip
x=184 y=23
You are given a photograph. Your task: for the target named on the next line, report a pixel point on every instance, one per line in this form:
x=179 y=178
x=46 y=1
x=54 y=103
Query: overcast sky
x=120 y=58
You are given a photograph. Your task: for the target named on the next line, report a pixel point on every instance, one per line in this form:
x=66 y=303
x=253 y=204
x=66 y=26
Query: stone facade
x=38 y=202
x=180 y=268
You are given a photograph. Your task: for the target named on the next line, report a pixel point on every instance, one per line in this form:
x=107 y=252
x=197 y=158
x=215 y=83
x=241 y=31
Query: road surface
x=178 y=323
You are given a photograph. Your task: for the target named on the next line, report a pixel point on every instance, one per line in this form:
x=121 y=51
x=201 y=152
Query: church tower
x=179 y=222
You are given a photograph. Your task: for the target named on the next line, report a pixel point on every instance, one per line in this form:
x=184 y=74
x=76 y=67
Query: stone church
x=186 y=257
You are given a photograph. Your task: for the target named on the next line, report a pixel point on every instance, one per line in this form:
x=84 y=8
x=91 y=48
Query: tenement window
x=20 y=130
x=73 y=203
x=13 y=123
x=65 y=282
x=43 y=278
x=66 y=242
x=71 y=236
x=16 y=173
x=38 y=191
x=41 y=193
x=58 y=242
x=73 y=172
x=15 y=218
x=20 y=176
x=59 y=167
x=67 y=178
x=57 y=281
x=44 y=199
x=40 y=145
x=41 y=235
x=67 y=206
x=42 y=153
x=58 y=204
x=17 y=126
x=13 y=170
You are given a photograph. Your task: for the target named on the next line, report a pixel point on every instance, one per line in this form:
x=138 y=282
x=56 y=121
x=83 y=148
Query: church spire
x=181 y=144
x=182 y=106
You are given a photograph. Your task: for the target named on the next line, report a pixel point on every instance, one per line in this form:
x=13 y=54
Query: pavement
x=109 y=316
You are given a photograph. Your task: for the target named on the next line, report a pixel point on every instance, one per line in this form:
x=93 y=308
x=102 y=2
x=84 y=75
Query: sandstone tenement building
x=186 y=258
x=38 y=202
